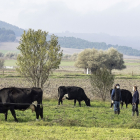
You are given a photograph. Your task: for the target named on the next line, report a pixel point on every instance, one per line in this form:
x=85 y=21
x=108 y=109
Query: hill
x=130 y=41
x=77 y=43
x=18 y=31
x=7 y=35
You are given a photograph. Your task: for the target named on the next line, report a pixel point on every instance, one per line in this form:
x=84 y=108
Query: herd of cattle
x=14 y=98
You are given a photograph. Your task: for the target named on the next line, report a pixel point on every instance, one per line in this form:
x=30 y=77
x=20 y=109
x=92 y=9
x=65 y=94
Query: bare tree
x=1 y=63
x=101 y=82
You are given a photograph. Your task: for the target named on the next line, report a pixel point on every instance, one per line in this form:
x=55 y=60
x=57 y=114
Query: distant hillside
x=77 y=43
x=7 y=35
x=130 y=41
x=18 y=31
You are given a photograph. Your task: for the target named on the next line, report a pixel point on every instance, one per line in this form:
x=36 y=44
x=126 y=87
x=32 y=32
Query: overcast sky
x=114 y=17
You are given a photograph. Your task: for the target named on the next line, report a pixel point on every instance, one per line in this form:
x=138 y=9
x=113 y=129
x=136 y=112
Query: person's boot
x=137 y=113
x=133 y=113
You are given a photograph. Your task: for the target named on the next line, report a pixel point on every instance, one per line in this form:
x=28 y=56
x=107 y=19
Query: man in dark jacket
x=135 y=101
x=116 y=98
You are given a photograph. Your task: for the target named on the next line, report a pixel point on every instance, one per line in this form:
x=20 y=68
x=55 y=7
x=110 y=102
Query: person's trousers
x=135 y=108
x=116 y=106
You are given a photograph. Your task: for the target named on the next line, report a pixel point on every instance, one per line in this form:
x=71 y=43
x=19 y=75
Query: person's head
x=134 y=88
x=117 y=86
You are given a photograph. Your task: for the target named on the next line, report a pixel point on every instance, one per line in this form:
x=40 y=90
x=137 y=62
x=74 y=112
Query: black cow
x=4 y=110
x=21 y=99
x=72 y=92
x=126 y=97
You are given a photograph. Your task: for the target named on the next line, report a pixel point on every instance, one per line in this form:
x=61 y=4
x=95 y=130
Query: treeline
x=7 y=35
x=18 y=31
x=9 y=55
x=70 y=57
x=77 y=43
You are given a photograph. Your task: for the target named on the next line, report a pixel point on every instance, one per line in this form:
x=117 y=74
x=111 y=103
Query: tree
x=114 y=59
x=1 y=63
x=82 y=59
x=101 y=82
x=38 y=57
x=90 y=58
x=1 y=54
x=95 y=59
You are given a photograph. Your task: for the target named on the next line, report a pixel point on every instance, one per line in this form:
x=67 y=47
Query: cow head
x=87 y=101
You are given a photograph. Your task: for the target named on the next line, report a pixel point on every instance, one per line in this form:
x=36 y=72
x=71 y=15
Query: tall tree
x=38 y=57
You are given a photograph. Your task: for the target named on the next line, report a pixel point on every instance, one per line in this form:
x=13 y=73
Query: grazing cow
x=72 y=92
x=21 y=99
x=126 y=97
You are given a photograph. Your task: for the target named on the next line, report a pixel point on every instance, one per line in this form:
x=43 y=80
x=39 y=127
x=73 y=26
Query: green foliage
x=114 y=59
x=77 y=43
x=101 y=82
x=38 y=57
x=7 y=35
x=95 y=59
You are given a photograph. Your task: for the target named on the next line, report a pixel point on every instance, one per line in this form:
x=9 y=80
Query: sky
x=113 y=17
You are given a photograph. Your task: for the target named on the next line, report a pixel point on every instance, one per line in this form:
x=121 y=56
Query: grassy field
x=128 y=62
x=10 y=63
x=63 y=63
x=69 y=122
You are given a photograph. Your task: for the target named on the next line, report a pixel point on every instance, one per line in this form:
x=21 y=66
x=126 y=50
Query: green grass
x=132 y=64
x=69 y=122
x=67 y=63
x=10 y=63
x=63 y=63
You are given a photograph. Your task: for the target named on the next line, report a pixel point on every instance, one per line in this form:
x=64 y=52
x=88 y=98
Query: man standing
x=116 y=97
x=135 y=101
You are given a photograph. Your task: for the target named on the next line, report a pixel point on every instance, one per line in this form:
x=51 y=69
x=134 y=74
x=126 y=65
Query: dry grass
x=51 y=90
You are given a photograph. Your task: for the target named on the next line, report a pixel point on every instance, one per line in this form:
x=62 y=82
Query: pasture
x=69 y=122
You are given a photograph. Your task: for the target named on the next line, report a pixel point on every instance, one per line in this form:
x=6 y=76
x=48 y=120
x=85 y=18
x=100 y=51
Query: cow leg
x=74 y=102
x=6 y=113
x=80 y=103
x=14 y=114
x=41 y=111
x=126 y=105
x=60 y=101
x=37 y=110
x=121 y=105
x=111 y=105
